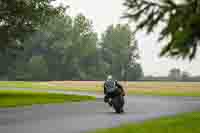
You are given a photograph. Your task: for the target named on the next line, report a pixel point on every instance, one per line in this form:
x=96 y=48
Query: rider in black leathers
x=120 y=91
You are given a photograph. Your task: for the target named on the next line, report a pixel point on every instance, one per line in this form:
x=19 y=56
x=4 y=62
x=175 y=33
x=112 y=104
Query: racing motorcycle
x=117 y=103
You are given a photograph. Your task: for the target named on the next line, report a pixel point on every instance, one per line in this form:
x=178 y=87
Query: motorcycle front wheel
x=118 y=103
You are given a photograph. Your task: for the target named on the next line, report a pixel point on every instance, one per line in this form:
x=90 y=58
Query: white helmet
x=109 y=77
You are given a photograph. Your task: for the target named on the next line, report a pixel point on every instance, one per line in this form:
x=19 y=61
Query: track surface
x=87 y=116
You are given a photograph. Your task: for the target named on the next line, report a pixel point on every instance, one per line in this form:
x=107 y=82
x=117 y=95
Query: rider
x=111 y=89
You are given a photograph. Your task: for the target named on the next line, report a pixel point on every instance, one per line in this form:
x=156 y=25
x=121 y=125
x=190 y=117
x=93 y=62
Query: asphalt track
x=87 y=116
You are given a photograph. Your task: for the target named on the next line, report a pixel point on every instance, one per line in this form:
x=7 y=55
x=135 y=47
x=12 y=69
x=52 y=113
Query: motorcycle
x=117 y=103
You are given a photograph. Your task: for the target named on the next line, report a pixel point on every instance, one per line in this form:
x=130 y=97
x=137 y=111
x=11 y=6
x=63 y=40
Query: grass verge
x=10 y=98
x=134 y=88
x=44 y=85
x=184 y=123
x=24 y=84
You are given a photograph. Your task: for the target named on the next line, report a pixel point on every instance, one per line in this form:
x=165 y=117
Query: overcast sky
x=106 y=12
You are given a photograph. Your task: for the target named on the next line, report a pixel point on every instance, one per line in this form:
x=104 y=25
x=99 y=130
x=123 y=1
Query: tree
x=20 y=18
x=170 y=15
x=58 y=34
x=175 y=74
x=185 y=76
x=119 y=50
x=135 y=72
x=68 y=46
x=49 y=42
x=7 y=62
x=37 y=68
x=80 y=57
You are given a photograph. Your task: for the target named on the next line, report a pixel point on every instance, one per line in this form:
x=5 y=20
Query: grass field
x=23 y=84
x=10 y=98
x=137 y=88
x=185 y=123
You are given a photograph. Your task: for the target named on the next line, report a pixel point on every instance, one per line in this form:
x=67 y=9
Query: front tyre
x=118 y=103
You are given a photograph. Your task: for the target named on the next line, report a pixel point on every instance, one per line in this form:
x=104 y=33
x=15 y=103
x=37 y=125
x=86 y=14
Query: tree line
x=67 y=48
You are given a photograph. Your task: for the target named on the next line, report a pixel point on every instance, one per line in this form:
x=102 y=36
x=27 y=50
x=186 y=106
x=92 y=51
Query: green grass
x=10 y=98
x=185 y=123
x=161 y=91
x=42 y=85
x=23 y=84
